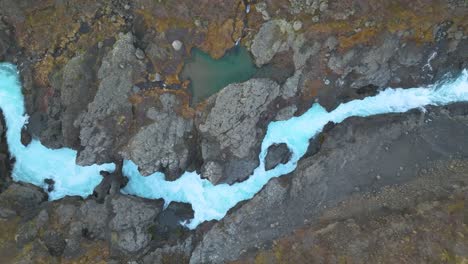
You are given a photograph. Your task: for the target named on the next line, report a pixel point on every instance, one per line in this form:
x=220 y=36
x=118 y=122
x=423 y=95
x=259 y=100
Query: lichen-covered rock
x=131 y=222
x=93 y=218
x=274 y=36
x=162 y=145
x=231 y=132
x=308 y=6
x=104 y=126
x=74 y=89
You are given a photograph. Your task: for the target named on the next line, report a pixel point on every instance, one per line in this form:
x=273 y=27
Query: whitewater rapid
x=35 y=163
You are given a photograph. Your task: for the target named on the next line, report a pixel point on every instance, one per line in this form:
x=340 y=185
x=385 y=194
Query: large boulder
x=22 y=198
x=129 y=226
x=233 y=127
x=277 y=154
x=164 y=144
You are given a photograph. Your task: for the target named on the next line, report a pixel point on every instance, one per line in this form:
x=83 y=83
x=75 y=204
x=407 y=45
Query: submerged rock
x=277 y=154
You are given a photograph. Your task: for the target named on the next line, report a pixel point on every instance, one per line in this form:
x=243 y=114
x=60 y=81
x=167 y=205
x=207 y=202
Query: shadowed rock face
x=4 y=156
x=93 y=75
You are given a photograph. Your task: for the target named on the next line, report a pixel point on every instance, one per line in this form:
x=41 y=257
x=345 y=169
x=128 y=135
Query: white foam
x=211 y=202
x=36 y=162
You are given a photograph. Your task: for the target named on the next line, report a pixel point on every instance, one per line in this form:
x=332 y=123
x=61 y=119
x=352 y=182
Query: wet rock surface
x=102 y=77
x=4 y=155
x=277 y=154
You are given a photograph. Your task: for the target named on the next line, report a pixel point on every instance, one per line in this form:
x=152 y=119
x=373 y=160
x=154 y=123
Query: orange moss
x=101 y=30
x=337 y=27
x=161 y=24
x=50 y=26
x=419 y=22
x=363 y=36
x=184 y=109
x=311 y=88
x=219 y=37
x=44 y=67
x=47 y=27
x=97 y=252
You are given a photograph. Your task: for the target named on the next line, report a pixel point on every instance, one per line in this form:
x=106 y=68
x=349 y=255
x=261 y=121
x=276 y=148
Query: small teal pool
x=208 y=75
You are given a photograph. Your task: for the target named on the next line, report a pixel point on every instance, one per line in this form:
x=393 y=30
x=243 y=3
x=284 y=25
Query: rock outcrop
x=131 y=222
x=163 y=145
x=277 y=154
x=232 y=129
x=105 y=124
x=103 y=77
x=4 y=155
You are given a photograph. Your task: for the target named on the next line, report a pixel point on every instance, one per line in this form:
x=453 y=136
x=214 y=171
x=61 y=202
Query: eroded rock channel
x=104 y=79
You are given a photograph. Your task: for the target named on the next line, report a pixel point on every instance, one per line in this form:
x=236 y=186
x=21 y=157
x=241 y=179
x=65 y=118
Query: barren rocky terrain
x=104 y=78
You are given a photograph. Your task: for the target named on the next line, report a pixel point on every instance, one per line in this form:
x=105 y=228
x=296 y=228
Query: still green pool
x=208 y=75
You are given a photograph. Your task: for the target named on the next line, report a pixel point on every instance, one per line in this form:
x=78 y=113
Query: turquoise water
x=208 y=75
x=210 y=202
x=35 y=163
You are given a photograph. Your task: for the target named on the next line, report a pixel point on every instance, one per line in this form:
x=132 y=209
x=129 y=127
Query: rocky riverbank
x=103 y=77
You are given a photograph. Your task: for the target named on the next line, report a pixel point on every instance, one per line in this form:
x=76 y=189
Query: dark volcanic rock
x=6 y=40
x=74 y=87
x=89 y=87
x=277 y=153
x=4 y=155
x=22 y=197
x=391 y=62
x=55 y=243
x=168 y=228
x=25 y=137
x=359 y=155
x=133 y=217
